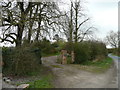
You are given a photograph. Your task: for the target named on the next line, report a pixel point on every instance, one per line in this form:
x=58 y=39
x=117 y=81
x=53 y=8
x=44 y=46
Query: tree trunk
x=19 y=35
x=71 y=29
x=71 y=24
x=76 y=23
x=39 y=24
x=21 y=24
x=30 y=32
x=38 y=31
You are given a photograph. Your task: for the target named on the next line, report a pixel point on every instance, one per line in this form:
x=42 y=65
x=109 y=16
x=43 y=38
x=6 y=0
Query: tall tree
x=77 y=7
x=73 y=23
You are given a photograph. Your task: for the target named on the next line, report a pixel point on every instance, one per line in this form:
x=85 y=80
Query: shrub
x=82 y=52
x=21 y=61
x=98 y=49
x=87 y=50
x=7 y=57
x=110 y=50
x=24 y=62
x=45 y=46
x=119 y=51
x=69 y=60
x=115 y=51
x=69 y=47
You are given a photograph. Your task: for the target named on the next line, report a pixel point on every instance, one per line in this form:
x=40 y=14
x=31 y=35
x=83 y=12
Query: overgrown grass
x=45 y=82
x=98 y=66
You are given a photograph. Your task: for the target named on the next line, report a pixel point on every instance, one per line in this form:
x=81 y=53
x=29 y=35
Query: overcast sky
x=104 y=15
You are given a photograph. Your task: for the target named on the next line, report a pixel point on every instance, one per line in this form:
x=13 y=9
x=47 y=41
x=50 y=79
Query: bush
x=69 y=47
x=20 y=61
x=24 y=61
x=87 y=51
x=110 y=50
x=98 y=49
x=45 y=46
x=115 y=51
x=82 y=52
x=118 y=51
x=7 y=56
x=69 y=60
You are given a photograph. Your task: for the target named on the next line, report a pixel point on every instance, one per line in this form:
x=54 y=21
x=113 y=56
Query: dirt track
x=67 y=76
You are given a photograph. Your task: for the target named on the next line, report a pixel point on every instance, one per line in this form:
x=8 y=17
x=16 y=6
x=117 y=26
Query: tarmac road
x=117 y=64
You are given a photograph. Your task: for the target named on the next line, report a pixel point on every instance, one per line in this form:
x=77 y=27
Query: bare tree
x=73 y=23
x=14 y=15
x=24 y=15
x=79 y=33
x=112 y=39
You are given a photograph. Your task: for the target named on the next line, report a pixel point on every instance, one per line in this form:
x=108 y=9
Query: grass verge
x=98 y=66
x=42 y=78
x=44 y=82
x=56 y=66
x=115 y=55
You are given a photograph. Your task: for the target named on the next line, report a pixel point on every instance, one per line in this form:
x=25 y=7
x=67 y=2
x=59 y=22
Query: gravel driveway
x=68 y=76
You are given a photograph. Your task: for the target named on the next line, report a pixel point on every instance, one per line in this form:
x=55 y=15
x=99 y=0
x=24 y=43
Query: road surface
x=117 y=65
x=68 y=76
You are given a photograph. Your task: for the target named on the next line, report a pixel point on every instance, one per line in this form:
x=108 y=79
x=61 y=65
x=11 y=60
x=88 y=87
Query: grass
x=98 y=66
x=45 y=82
x=56 y=66
x=41 y=78
x=115 y=55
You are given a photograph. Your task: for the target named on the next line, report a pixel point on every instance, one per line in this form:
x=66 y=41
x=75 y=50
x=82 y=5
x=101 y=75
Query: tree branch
x=83 y=22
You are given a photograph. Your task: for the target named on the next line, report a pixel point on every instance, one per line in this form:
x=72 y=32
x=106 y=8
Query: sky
x=104 y=14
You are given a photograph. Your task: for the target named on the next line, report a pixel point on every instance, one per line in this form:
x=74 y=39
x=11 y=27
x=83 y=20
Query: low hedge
x=87 y=51
x=20 y=61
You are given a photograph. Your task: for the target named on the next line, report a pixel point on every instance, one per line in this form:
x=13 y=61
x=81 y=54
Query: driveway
x=68 y=76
